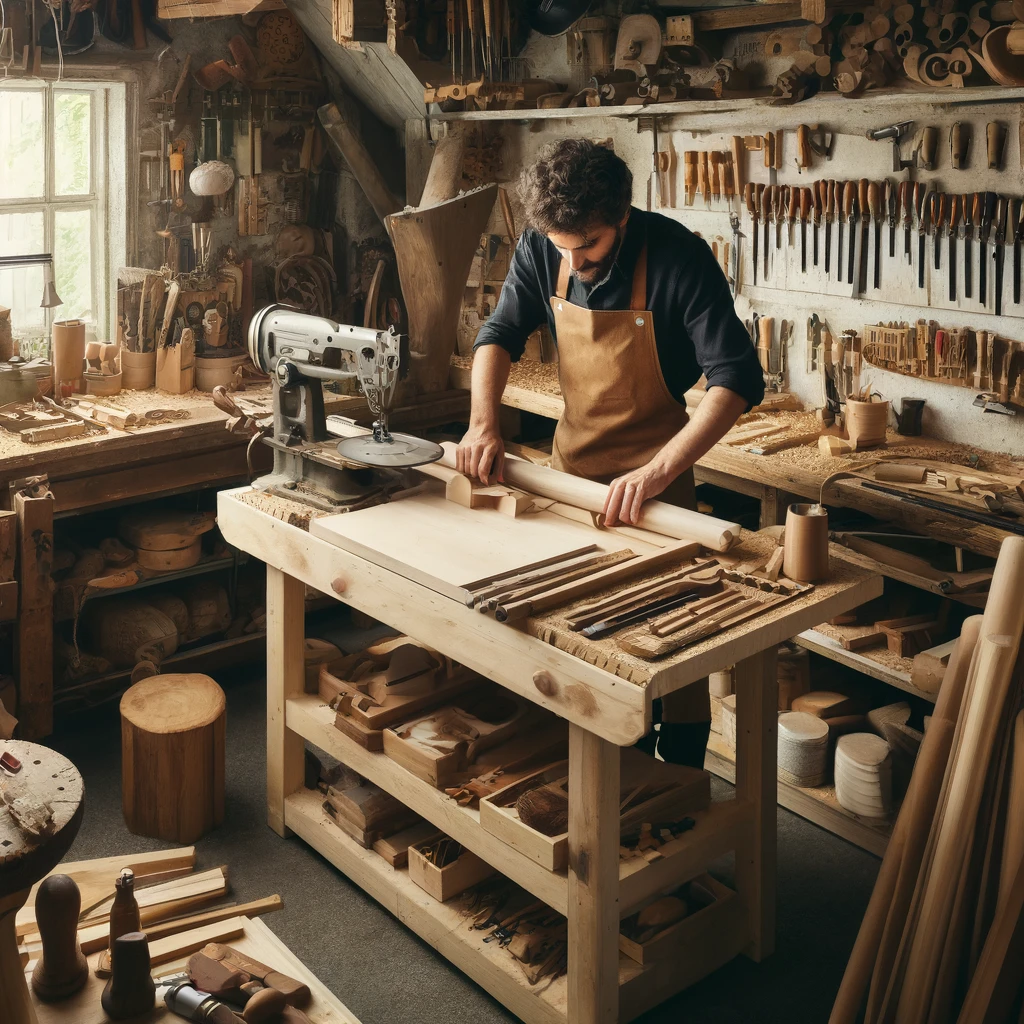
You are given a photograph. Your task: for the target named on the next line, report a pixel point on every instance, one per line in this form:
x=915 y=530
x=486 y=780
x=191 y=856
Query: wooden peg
x=995 y=133
x=803 y=146
x=702 y=176
x=728 y=176
x=690 y=175
x=769 y=150
x=715 y=160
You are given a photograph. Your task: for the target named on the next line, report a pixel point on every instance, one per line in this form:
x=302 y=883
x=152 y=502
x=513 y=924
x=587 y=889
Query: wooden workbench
x=605 y=708
x=801 y=472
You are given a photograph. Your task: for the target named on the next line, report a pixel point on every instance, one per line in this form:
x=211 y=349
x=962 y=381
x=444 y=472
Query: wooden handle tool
x=995 y=135
x=690 y=175
x=803 y=146
x=703 y=186
x=715 y=160
x=959 y=145
x=738 y=176
x=765 y=334
x=926 y=148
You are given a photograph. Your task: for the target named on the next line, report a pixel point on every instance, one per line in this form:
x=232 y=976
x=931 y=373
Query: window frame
x=111 y=188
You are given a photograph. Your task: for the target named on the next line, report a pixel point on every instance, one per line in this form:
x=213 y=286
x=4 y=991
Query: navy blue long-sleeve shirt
x=695 y=323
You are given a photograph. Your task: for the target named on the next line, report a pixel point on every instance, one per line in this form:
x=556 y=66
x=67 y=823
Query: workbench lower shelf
x=818 y=805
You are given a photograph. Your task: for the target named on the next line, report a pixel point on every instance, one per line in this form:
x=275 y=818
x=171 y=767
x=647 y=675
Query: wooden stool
x=46 y=779
x=172 y=757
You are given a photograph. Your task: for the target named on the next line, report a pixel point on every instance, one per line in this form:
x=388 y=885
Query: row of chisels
x=858 y=214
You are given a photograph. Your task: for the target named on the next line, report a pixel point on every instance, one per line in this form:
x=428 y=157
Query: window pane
x=21 y=288
x=21 y=144
x=72 y=113
x=72 y=262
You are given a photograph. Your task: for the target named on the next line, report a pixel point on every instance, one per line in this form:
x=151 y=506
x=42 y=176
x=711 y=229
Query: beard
x=591 y=274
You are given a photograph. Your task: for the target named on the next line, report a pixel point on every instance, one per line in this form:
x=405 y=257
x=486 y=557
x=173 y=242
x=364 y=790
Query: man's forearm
x=490 y=375
x=716 y=414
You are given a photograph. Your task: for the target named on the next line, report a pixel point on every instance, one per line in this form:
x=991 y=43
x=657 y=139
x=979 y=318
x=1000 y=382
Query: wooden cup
x=866 y=422
x=806 y=545
x=68 y=349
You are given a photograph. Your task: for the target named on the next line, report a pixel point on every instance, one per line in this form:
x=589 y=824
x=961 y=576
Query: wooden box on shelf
x=445 y=882
x=684 y=790
x=724 y=911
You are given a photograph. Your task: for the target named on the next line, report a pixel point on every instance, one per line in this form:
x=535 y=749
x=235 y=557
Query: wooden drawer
x=444 y=883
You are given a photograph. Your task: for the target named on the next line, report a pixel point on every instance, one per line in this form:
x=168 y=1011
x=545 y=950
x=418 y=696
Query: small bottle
x=124 y=913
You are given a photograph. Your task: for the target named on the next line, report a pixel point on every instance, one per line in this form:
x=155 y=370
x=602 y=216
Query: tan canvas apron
x=619 y=413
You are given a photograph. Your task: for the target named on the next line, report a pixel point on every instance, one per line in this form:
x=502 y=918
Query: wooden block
x=444 y=883
x=8 y=601
x=856 y=643
x=827 y=704
x=56 y=432
x=173 y=947
x=929 y=667
x=395 y=849
x=175 y=365
x=8 y=545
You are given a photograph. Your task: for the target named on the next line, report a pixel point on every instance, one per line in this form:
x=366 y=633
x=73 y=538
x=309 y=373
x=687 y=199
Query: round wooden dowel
x=40 y=813
x=172 y=757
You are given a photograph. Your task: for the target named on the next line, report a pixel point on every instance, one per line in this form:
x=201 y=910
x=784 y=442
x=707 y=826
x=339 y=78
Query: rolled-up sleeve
x=521 y=308
x=722 y=346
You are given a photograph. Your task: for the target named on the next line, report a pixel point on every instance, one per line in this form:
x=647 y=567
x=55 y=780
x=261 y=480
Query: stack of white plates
x=803 y=749
x=864 y=775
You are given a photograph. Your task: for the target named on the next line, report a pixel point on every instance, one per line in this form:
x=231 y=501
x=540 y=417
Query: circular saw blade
x=401 y=451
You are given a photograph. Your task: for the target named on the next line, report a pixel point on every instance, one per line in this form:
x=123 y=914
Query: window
x=62 y=190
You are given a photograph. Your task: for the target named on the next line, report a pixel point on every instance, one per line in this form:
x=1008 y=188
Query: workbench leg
x=770 y=507
x=593 y=963
x=285 y=679
x=757 y=700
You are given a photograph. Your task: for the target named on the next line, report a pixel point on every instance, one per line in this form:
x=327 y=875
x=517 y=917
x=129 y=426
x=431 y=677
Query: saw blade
x=402 y=450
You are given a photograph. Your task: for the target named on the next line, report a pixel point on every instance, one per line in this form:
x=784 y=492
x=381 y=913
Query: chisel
x=779 y=203
x=806 y=203
x=750 y=196
x=907 y=206
x=952 y=225
x=875 y=206
x=819 y=195
x=999 y=241
x=921 y=204
x=792 y=210
x=843 y=189
x=937 y=215
x=829 y=212
x=852 y=192
x=864 y=214
x=988 y=209
x=767 y=199
x=1018 y=232
x=890 y=209
x=968 y=204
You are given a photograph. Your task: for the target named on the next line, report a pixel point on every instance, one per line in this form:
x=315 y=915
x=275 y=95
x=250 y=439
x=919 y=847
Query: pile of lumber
x=943 y=934
x=173 y=899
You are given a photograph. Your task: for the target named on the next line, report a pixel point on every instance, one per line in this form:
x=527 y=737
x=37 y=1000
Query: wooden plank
x=310 y=719
x=757 y=701
x=8 y=545
x=8 y=601
x=285 y=680
x=34 y=658
x=610 y=707
x=593 y=877
x=446 y=547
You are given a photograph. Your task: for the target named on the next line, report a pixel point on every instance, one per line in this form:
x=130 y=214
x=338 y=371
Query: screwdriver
x=952 y=224
x=875 y=207
x=806 y=203
x=921 y=207
x=864 y=214
x=968 y=204
x=938 y=218
x=890 y=208
x=750 y=197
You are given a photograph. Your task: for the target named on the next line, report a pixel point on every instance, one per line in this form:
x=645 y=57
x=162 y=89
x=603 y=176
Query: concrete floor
x=386 y=975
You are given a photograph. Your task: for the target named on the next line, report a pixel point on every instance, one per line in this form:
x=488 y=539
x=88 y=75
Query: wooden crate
x=724 y=913
x=444 y=883
x=498 y=816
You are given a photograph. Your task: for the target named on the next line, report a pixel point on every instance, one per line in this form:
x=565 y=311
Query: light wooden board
x=445 y=546
x=257 y=940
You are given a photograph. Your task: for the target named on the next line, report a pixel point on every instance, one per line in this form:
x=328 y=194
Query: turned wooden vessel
x=172 y=757
x=866 y=422
x=806 y=544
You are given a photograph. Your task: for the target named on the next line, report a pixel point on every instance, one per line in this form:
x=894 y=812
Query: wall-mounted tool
x=821 y=142
x=739 y=176
x=953 y=224
x=959 y=145
x=995 y=137
x=806 y=203
x=937 y=215
x=968 y=206
x=1017 y=222
x=924 y=150
x=984 y=222
x=792 y=210
x=854 y=212
x=690 y=175
x=803 y=146
x=906 y=203
x=865 y=213
x=751 y=196
x=889 y=199
x=734 y=223
x=767 y=205
x=921 y=209
x=845 y=191
x=875 y=208
x=714 y=178
x=999 y=241
x=893 y=133
x=819 y=196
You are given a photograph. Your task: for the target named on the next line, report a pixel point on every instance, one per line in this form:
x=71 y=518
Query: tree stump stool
x=172 y=757
x=40 y=812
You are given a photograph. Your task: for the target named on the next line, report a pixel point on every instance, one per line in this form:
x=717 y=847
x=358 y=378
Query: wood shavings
x=294 y=513
x=527 y=374
x=31 y=815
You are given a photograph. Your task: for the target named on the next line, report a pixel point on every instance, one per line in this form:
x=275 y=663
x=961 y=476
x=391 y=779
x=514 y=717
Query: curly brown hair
x=576 y=184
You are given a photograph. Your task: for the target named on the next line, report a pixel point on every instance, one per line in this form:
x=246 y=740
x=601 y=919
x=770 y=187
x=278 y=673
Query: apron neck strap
x=638 y=298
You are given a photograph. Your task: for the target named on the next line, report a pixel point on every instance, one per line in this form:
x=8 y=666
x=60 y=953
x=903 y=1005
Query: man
x=639 y=309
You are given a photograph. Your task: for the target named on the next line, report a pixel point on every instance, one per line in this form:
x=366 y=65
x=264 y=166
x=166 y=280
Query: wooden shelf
x=201 y=567
x=827 y=106
x=717 y=830
x=817 y=642
x=818 y=805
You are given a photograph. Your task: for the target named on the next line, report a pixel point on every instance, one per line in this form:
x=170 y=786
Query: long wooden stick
x=538 y=587
x=602 y=559
x=1013 y=841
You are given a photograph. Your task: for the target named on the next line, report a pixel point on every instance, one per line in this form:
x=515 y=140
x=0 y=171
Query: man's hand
x=481 y=455
x=627 y=493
